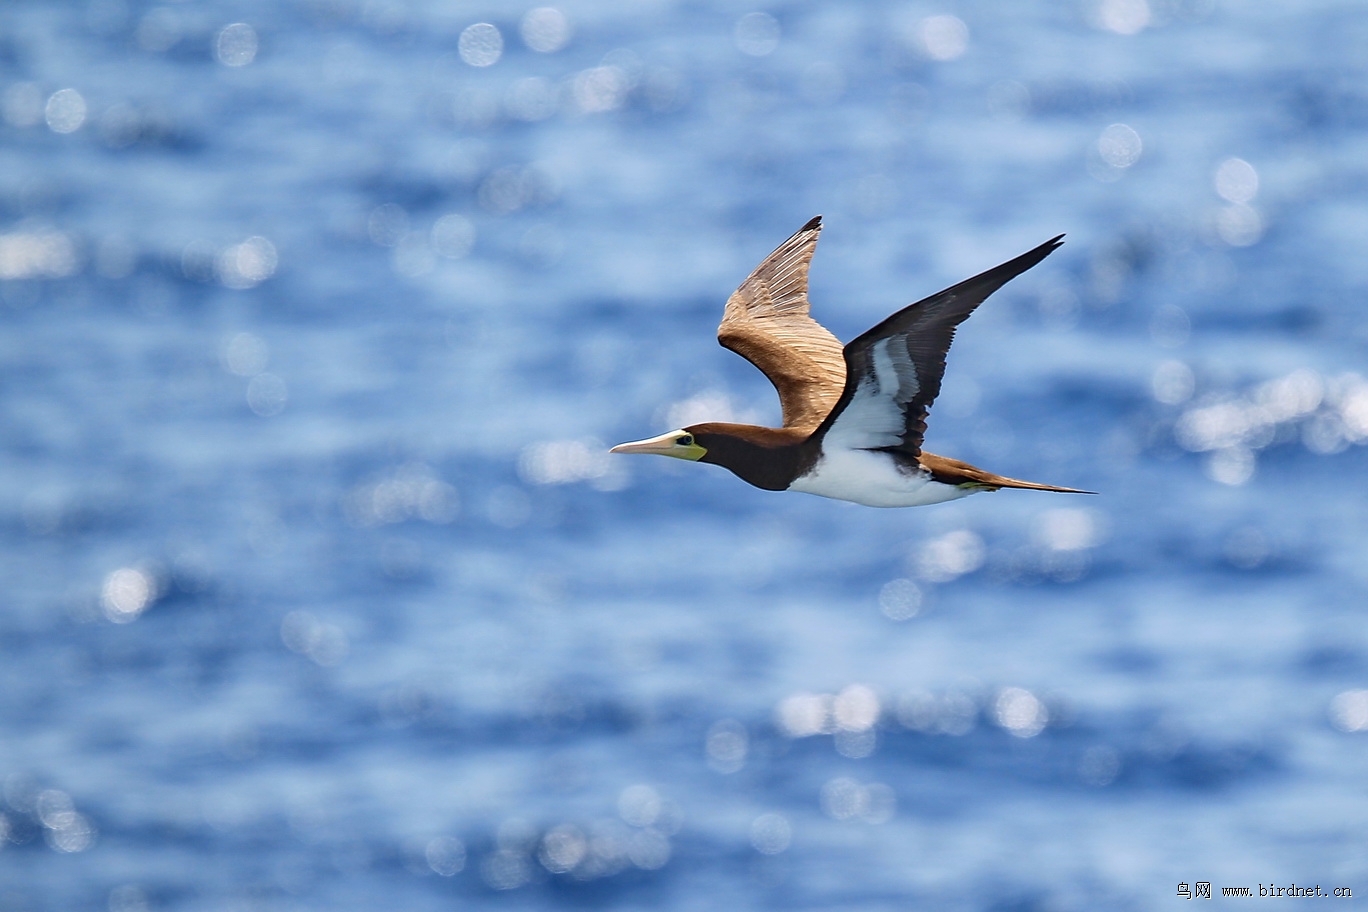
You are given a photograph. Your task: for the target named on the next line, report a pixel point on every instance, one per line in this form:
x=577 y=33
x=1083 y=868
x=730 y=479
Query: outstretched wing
x=893 y=371
x=767 y=323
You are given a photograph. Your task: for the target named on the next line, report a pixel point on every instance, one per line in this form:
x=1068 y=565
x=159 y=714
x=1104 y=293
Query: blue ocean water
x=321 y=591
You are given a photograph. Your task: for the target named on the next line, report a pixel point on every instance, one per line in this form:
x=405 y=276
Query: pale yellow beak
x=679 y=444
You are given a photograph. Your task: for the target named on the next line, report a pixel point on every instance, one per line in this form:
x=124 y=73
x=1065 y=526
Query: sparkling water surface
x=322 y=592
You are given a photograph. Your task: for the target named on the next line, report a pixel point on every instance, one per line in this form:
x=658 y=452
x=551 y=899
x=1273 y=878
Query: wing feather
x=767 y=323
x=894 y=371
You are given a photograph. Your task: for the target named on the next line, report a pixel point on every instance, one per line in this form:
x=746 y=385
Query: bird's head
x=681 y=444
x=765 y=457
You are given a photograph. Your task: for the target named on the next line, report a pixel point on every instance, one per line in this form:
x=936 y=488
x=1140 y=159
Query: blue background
x=320 y=591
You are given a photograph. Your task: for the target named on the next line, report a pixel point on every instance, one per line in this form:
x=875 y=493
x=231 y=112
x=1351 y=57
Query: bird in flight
x=854 y=416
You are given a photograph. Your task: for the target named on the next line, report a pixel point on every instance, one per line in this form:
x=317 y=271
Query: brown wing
x=767 y=323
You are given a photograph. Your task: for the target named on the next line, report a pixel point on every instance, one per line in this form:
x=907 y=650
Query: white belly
x=873 y=479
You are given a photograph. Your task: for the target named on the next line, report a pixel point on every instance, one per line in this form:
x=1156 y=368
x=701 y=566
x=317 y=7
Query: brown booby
x=854 y=417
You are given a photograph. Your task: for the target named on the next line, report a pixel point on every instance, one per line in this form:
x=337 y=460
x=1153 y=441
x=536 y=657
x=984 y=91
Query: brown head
x=765 y=457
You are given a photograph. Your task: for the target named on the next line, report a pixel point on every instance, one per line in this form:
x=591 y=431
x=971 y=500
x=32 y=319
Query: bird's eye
x=686 y=440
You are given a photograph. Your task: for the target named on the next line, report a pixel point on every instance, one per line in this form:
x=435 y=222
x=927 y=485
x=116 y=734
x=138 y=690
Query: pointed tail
x=962 y=474
x=999 y=481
